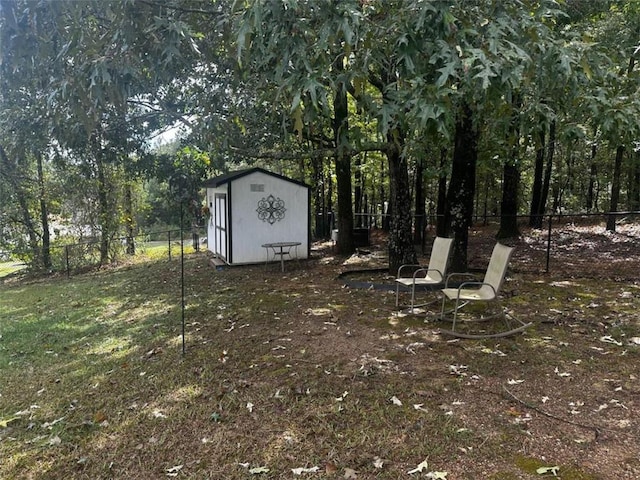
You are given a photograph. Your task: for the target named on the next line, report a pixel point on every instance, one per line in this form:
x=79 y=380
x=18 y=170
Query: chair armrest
x=476 y=284
x=426 y=272
x=406 y=266
x=457 y=274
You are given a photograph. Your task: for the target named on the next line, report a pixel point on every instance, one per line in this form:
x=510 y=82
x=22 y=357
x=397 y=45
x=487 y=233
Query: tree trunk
x=129 y=219
x=441 y=206
x=44 y=215
x=510 y=187
x=329 y=211
x=509 y=205
x=401 y=249
x=9 y=170
x=546 y=181
x=103 y=209
x=459 y=211
x=615 y=189
x=634 y=188
x=593 y=173
x=318 y=204
x=345 y=244
x=420 y=212
x=385 y=212
x=617 y=172
x=535 y=217
x=357 y=193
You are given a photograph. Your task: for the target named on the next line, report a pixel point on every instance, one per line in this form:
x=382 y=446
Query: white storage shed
x=253 y=207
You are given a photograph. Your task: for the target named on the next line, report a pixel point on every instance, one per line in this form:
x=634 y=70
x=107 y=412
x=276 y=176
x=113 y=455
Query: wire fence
x=571 y=243
x=76 y=257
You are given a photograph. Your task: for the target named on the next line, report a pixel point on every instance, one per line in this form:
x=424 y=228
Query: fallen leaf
x=174 y=471
x=51 y=424
x=421 y=466
x=419 y=406
x=378 y=462
x=350 y=473
x=258 y=470
x=342 y=397
x=561 y=374
x=55 y=440
x=511 y=381
x=458 y=370
x=514 y=412
x=396 y=401
x=99 y=417
x=301 y=470
x=250 y=407
x=610 y=339
x=330 y=468
x=437 y=475
x=8 y=421
x=552 y=470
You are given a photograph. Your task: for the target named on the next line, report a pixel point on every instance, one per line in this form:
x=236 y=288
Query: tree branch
x=318 y=153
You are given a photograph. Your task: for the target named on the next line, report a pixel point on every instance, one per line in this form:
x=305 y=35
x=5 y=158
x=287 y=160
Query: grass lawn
x=295 y=375
x=7 y=268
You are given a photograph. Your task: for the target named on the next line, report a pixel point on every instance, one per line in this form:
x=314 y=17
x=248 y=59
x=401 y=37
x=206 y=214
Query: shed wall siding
x=246 y=231
x=250 y=232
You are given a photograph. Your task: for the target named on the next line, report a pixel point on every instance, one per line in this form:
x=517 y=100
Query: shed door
x=220 y=227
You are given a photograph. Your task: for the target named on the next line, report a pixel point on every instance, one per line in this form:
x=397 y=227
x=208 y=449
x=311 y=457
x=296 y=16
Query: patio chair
x=425 y=278
x=486 y=291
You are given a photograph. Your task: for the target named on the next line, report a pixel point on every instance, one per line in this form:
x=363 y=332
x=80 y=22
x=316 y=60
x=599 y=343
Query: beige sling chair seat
x=486 y=291
x=424 y=278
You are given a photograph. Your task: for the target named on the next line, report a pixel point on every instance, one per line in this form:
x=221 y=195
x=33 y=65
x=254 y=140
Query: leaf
x=511 y=381
x=174 y=471
x=545 y=470
x=421 y=466
x=350 y=473
x=55 y=440
x=99 y=417
x=250 y=407
x=610 y=339
x=298 y=124
x=258 y=470
x=378 y=462
x=342 y=397
x=396 y=401
x=301 y=470
x=437 y=475
x=8 y=421
x=447 y=71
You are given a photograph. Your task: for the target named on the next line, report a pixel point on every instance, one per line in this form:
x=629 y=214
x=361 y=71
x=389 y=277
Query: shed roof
x=231 y=176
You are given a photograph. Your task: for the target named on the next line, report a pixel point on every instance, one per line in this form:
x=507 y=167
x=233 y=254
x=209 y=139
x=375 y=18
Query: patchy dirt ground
x=297 y=375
